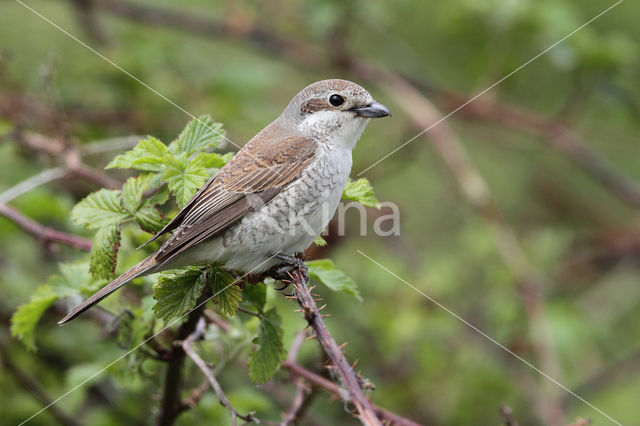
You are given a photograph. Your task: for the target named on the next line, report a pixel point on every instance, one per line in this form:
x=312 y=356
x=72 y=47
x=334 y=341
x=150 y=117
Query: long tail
x=140 y=269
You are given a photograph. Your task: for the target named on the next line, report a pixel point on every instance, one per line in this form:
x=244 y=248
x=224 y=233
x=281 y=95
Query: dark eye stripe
x=313 y=105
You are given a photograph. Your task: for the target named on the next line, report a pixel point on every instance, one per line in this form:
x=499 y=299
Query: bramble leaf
x=213 y=160
x=133 y=190
x=361 y=191
x=150 y=219
x=324 y=272
x=184 y=177
x=100 y=209
x=199 y=134
x=104 y=252
x=73 y=279
x=265 y=361
x=256 y=294
x=24 y=320
x=148 y=155
x=177 y=292
x=226 y=295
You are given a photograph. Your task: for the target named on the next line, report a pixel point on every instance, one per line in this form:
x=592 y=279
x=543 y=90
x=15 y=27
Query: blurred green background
x=569 y=305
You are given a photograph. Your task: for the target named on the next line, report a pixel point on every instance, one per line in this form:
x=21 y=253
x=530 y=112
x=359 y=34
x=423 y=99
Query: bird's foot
x=282 y=272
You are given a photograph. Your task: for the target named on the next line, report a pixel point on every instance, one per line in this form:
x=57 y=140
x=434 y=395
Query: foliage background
x=576 y=233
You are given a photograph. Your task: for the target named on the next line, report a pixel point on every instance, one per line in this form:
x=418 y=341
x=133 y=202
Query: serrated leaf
x=158 y=198
x=199 y=134
x=361 y=191
x=213 y=160
x=73 y=279
x=226 y=295
x=184 y=177
x=150 y=219
x=177 y=292
x=256 y=294
x=24 y=320
x=148 y=155
x=104 y=252
x=100 y=209
x=324 y=272
x=266 y=360
x=133 y=190
x=319 y=241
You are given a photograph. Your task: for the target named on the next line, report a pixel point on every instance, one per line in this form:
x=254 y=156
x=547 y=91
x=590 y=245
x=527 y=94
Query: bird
x=275 y=195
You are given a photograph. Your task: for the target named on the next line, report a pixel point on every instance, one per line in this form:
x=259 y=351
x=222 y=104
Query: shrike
x=274 y=197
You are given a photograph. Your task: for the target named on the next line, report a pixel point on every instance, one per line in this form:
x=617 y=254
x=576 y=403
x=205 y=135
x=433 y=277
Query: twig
x=558 y=136
x=328 y=385
x=349 y=379
x=192 y=400
x=187 y=346
x=304 y=393
x=43 y=233
x=27 y=185
x=171 y=402
x=507 y=415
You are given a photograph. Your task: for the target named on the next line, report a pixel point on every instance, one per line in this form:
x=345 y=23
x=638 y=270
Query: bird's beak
x=373 y=110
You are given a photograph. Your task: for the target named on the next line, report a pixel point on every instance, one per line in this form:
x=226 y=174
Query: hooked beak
x=373 y=110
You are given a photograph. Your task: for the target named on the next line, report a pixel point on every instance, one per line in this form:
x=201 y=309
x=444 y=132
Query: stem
x=349 y=379
x=171 y=402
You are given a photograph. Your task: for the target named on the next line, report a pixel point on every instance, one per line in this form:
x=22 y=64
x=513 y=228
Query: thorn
x=353 y=366
x=343 y=345
x=311 y=337
x=325 y=315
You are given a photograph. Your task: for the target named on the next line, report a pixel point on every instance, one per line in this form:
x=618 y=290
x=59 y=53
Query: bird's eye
x=336 y=100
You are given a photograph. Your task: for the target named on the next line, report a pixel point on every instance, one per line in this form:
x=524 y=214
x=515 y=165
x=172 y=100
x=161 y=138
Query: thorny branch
x=348 y=377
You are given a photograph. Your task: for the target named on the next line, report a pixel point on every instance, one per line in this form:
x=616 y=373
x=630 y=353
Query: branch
x=349 y=379
x=187 y=346
x=171 y=402
x=304 y=394
x=328 y=385
x=43 y=233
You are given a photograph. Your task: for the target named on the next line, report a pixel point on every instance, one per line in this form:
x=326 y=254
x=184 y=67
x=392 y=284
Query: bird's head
x=333 y=111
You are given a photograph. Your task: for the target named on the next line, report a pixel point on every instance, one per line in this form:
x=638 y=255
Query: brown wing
x=263 y=168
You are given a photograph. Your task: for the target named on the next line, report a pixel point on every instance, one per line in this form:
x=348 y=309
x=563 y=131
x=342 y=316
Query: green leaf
x=177 y=292
x=227 y=295
x=184 y=177
x=24 y=320
x=256 y=294
x=73 y=279
x=148 y=155
x=158 y=198
x=150 y=219
x=100 y=209
x=319 y=241
x=213 y=160
x=133 y=190
x=104 y=252
x=324 y=272
x=266 y=360
x=199 y=134
x=361 y=191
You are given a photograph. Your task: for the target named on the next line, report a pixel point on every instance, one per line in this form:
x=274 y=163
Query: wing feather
x=263 y=168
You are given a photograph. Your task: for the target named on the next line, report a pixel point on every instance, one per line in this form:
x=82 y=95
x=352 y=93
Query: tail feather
x=140 y=269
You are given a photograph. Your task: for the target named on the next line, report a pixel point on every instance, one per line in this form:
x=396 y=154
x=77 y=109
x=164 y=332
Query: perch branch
x=187 y=346
x=349 y=379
